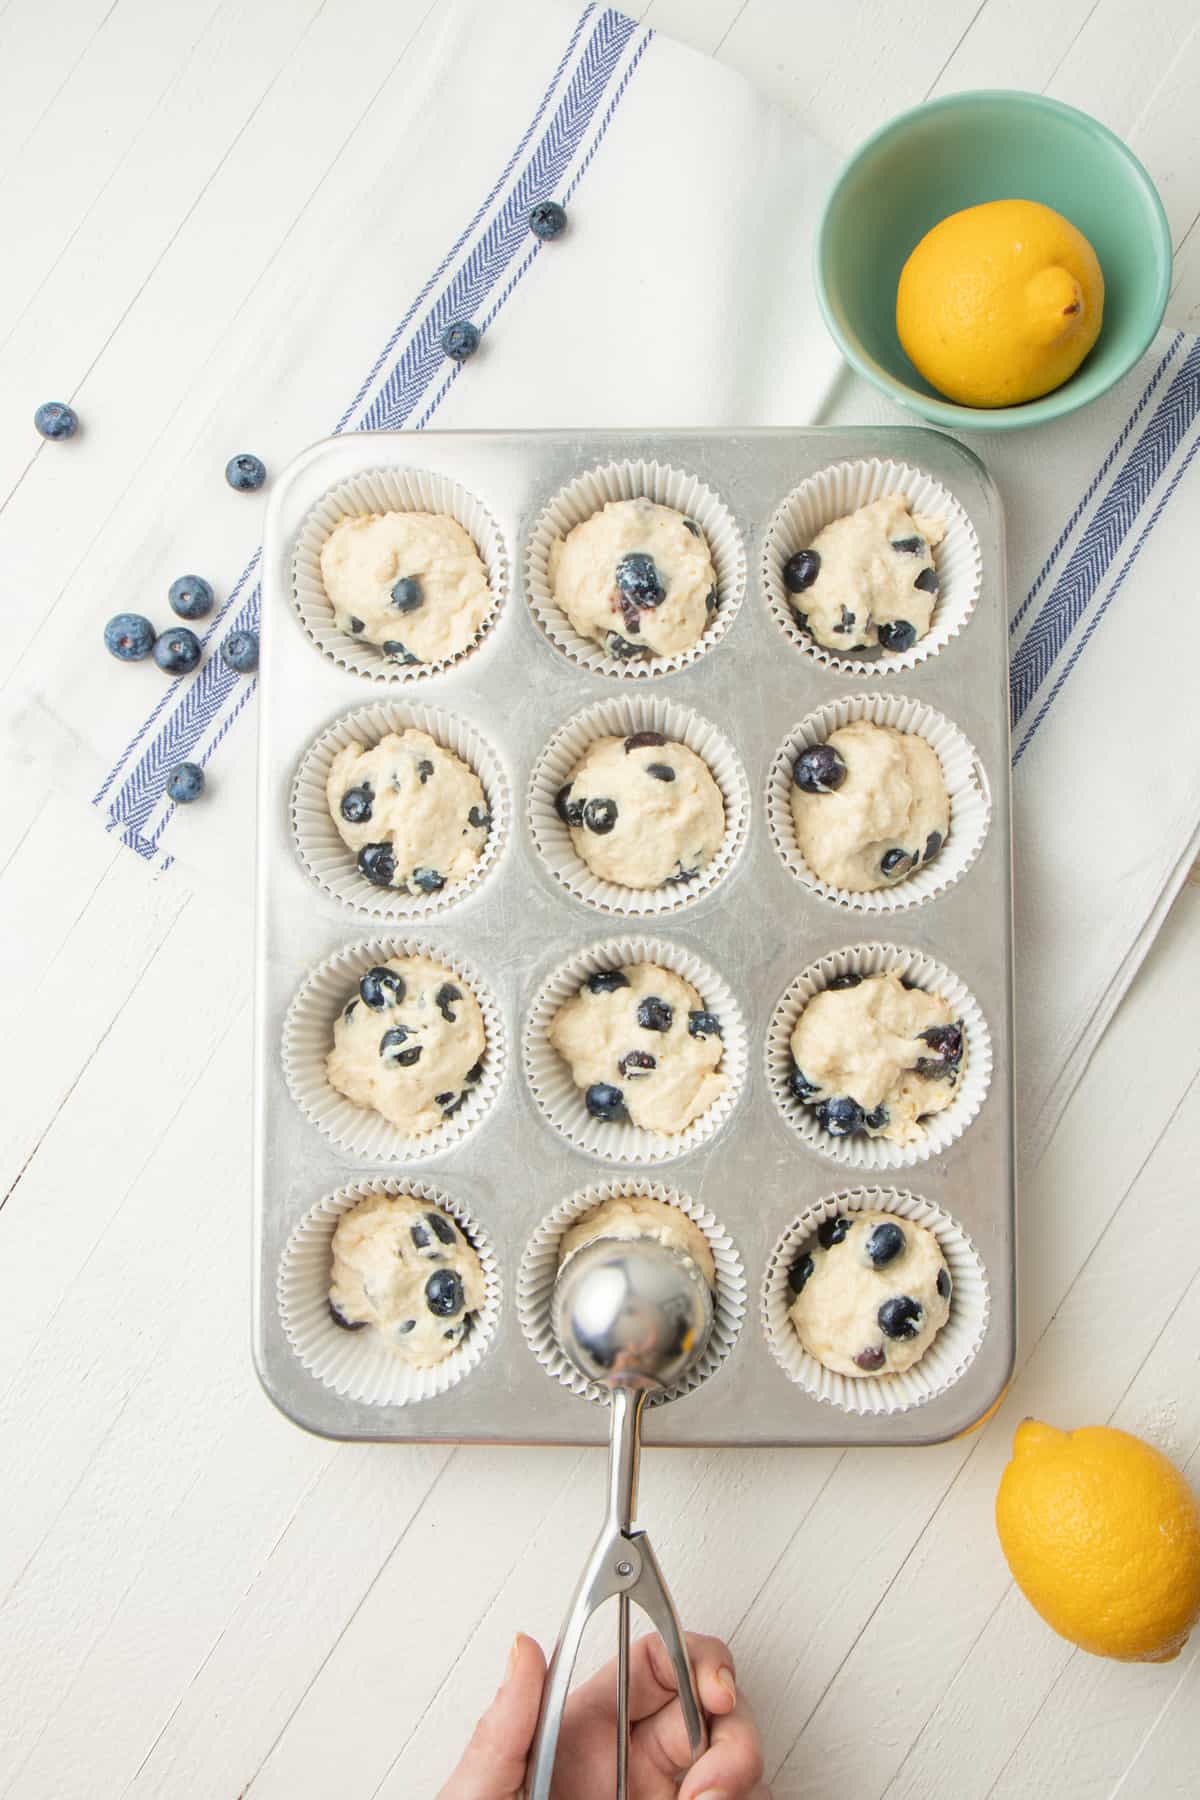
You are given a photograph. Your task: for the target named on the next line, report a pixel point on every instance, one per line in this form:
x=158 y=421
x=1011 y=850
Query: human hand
x=493 y=1764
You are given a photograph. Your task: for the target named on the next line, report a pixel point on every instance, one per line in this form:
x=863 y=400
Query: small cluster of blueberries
x=821 y=770
x=603 y=1099
x=382 y=988
x=443 y=1290
x=802 y=569
x=130 y=637
x=900 y=1317
x=840 y=1114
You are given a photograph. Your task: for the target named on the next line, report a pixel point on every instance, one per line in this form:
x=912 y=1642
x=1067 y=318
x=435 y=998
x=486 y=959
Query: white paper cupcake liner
x=326 y=857
x=966 y=786
x=561 y=1101
x=948 y=1356
x=667 y=486
x=360 y=1365
x=381 y=491
x=539 y=1272
x=621 y=718
x=308 y=1039
x=940 y=1129
x=832 y=494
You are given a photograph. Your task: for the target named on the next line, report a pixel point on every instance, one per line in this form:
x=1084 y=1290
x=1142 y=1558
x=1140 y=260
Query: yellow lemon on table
x=1000 y=304
x=1102 y=1535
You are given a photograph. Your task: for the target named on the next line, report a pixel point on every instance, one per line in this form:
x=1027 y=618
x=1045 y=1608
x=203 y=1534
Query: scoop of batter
x=628 y=1216
x=403 y=1266
x=641 y=1045
x=636 y=577
x=869 y=806
x=414 y=814
x=873 y=1055
x=411 y=582
x=868 y=579
x=643 y=812
x=409 y=1044
x=872 y=1293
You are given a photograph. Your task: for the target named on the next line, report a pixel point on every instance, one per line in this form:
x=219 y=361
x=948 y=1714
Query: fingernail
x=513 y=1654
x=725 y=1677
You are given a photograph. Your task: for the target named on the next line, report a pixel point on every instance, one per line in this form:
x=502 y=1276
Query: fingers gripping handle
x=654 y=1598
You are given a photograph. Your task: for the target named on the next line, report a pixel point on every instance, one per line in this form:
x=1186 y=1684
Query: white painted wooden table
x=196 y=1599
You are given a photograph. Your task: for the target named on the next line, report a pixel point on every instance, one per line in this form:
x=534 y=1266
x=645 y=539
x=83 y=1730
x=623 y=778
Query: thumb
x=493 y=1763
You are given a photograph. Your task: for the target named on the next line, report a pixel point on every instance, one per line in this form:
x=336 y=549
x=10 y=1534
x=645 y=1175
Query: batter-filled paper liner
x=840 y=490
x=308 y=1039
x=941 y=1129
x=966 y=787
x=667 y=486
x=539 y=1271
x=561 y=1101
x=362 y=1365
x=383 y=491
x=948 y=1356
x=621 y=718
x=327 y=858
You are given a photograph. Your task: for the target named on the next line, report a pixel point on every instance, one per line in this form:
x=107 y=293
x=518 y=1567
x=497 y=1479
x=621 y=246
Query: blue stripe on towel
x=1099 y=546
x=201 y=701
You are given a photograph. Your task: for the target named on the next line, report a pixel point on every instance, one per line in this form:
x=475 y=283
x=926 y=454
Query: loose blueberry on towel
x=190 y=596
x=445 y=998
x=444 y=1293
x=569 y=811
x=377 y=862
x=246 y=473
x=406 y=594
x=660 y=771
x=841 y=1116
x=177 y=651
x=381 y=987
x=339 y=1318
x=897 y=634
x=600 y=816
x=799 y=1086
x=884 y=1244
x=392 y=1051
x=927 y=581
x=129 y=637
x=460 y=340
x=832 y=1231
x=933 y=844
x=55 y=419
x=606 y=981
x=604 y=1101
x=429 y=881
x=704 y=1024
x=185 y=783
x=799 y=1270
x=239 y=652
x=547 y=219
x=871 y=1359
x=894 y=862
x=801 y=570
x=900 y=1316
x=644 y=740
x=637 y=1063
x=638 y=579
x=654 y=1014
x=819 y=770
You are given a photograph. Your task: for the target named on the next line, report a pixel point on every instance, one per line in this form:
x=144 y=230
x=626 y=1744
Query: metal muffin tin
x=759 y=927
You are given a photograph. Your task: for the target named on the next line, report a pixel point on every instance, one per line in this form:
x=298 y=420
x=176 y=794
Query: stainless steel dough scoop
x=633 y=1316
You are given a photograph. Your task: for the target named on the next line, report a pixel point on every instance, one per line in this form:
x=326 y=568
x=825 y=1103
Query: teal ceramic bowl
x=960 y=151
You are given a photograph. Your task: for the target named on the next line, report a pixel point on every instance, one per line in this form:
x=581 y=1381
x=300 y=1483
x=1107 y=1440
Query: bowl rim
x=1078 y=390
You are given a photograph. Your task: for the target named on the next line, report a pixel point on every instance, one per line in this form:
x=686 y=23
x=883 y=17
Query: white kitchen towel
x=680 y=295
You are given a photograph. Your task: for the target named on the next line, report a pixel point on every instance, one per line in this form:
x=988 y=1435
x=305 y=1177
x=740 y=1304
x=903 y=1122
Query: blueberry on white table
x=239 y=652
x=460 y=340
x=129 y=637
x=547 y=219
x=190 y=596
x=245 y=473
x=55 y=420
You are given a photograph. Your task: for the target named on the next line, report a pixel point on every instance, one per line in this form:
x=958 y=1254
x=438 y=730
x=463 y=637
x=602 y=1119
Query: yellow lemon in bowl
x=1102 y=1535
x=1000 y=303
